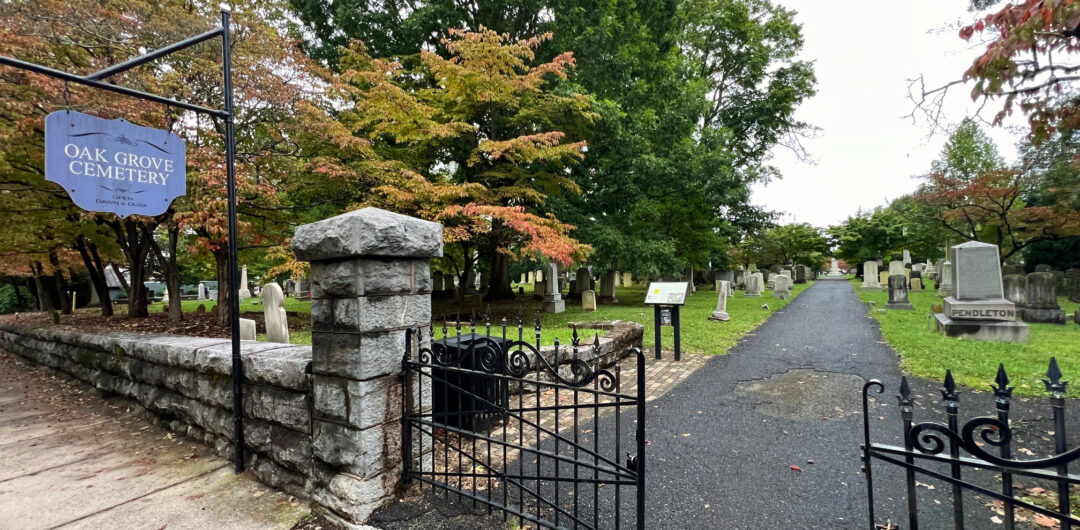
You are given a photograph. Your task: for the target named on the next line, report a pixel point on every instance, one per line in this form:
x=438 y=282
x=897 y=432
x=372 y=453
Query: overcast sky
x=867 y=152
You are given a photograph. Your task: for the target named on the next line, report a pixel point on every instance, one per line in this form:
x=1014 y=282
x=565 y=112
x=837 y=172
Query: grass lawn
x=974 y=364
x=699 y=335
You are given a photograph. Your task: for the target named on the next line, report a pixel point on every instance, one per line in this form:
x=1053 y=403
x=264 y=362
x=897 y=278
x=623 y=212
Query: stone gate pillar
x=370 y=282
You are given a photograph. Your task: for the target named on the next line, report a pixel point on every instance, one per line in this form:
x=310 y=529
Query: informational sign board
x=113 y=165
x=666 y=293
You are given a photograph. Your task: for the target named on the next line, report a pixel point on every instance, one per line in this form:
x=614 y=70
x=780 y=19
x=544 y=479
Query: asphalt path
x=769 y=435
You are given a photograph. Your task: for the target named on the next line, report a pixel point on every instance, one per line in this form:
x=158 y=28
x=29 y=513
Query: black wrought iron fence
x=532 y=432
x=983 y=444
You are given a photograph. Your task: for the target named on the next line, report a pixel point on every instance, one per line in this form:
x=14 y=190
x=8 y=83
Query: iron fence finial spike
x=949 y=392
x=1002 y=390
x=905 y=392
x=1054 y=383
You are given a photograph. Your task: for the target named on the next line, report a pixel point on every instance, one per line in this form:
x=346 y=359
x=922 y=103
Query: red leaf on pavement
x=796 y=468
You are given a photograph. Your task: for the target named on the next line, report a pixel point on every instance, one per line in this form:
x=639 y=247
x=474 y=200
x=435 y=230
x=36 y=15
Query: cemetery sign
x=666 y=297
x=113 y=165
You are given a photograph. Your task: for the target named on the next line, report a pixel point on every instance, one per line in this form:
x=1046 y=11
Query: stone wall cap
x=368 y=232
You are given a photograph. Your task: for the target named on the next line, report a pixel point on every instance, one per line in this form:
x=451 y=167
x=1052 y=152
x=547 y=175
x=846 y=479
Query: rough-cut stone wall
x=185 y=384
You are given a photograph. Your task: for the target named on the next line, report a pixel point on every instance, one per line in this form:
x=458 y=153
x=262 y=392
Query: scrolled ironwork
x=990 y=431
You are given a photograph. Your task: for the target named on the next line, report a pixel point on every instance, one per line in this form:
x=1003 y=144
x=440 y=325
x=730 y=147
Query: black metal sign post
x=95 y=80
x=658 y=320
x=667 y=296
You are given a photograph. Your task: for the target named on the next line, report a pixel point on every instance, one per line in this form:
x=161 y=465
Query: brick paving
x=537 y=427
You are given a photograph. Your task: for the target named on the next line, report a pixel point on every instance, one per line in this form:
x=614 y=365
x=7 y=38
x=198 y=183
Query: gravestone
x=1072 y=285
x=244 y=293
x=740 y=279
x=523 y=278
x=945 y=277
x=539 y=288
x=1015 y=287
x=898 y=293
x=870 y=277
x=896 y=267
x=800 y=274
x=1042 y=267
x=204 y=293
x=722 y=293
x=771 y=283
x=977 y=308
x=627 y=279
x=201 y=308
x=574 y=292
x=1059 y=280
x=607 y=288
x=916 y=285
x=907 y=257
x=437 y=280
x=553 y=302
x=540 y=276
x=725 y=275
x=584 y=282
x=883 y=278
x=247 y=329
x=782 y=287
x=1040 y=300
x=754 y=285
x=277 y=322
x=588 y=300
x=834 y=271
x=930 y=271
x=164 y=295
x=1011 y=269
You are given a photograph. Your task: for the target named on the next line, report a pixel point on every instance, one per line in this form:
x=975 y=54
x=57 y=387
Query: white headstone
x=896 y=267
x=588 y=300
x=907 y=256
x=164 y=296
x=870 y=276
x=782 y=287
x=277 y=322
x=754 y=285
x=722 y=292
x=945 y=279
x=247 y=329
x=244 y=292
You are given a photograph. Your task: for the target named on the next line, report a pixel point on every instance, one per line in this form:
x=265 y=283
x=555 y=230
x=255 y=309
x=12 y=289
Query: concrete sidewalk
x=70 y=458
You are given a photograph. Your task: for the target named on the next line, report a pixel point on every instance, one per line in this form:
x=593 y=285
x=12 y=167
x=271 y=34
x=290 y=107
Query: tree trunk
x=172 y=278
x=499 y=288
x=97 y=274
x=135 y=240
x=61 y=285
x=172 y=274
x=221 y=257
x=43 y=302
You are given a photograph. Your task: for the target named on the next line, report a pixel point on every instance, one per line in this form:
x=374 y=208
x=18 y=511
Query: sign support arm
x=150 y=56
x=93 y=83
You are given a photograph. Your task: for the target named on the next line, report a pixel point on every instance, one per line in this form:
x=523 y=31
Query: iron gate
x=934 y=449
x=537 y=435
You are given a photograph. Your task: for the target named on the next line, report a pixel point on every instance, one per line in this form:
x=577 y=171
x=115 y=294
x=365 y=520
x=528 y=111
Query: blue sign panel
x=113 y=165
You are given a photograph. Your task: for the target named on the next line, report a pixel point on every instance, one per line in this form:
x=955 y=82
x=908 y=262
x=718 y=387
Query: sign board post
x=666 y=297
x=123 y=182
